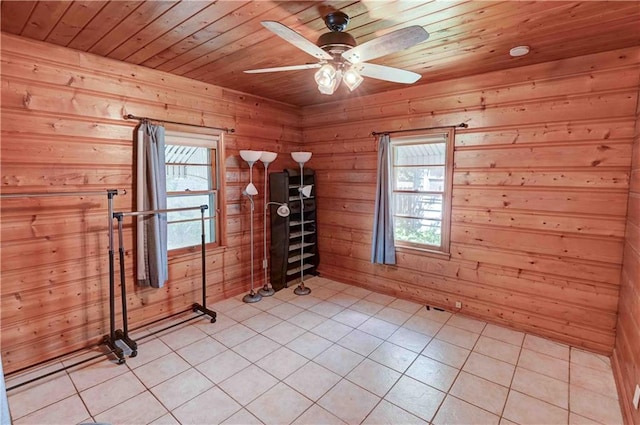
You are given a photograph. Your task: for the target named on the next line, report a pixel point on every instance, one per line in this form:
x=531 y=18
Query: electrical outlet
x=458 y=304
x=636 y=397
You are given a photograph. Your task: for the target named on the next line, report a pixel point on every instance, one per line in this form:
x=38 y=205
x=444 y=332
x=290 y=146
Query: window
x=193 y=176
x=422 y=178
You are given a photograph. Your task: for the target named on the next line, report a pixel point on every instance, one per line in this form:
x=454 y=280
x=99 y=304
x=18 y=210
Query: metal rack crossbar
x=56 y=194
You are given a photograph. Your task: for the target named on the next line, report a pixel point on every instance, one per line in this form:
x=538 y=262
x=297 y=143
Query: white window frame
x=214 y=143
x=445 y=231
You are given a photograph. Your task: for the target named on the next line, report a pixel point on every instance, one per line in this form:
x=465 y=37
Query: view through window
x=422 y=190
x=192 y=180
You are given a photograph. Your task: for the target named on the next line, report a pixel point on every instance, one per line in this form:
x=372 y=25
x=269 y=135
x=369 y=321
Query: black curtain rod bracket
x=133 y=117
x=378 y=133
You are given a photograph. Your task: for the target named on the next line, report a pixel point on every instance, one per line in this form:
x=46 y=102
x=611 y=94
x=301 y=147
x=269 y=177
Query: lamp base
x=252 y=297
x=302 y=290
x=266 y=291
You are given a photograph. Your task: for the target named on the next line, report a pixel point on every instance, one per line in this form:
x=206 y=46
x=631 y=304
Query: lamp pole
x=250 y=191
x=266 y=290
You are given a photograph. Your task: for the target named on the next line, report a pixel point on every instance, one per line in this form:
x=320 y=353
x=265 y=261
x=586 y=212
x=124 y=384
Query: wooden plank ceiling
x=215 y=41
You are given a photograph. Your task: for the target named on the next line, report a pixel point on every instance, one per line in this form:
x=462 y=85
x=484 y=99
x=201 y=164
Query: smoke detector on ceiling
x=519 y=51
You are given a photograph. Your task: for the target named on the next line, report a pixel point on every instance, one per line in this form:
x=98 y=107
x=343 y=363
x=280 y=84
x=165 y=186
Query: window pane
x=188 y=168
x=418 y=205
x=419 y=178
x=183 y=234
x=186 y=155
x=418 y=230
x=423 y=154
x=188 y=201
x=181 y=178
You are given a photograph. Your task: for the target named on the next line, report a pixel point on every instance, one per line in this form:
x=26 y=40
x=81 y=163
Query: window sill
x=424 y=251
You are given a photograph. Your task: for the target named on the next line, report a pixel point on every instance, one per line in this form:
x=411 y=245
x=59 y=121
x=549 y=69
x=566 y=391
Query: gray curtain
x=152 y=263
x=383 y=249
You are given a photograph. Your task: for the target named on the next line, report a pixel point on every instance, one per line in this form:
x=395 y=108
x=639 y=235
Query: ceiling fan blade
x=296 y=39
x=387 y=73
x=389 y=43
x=284 y=68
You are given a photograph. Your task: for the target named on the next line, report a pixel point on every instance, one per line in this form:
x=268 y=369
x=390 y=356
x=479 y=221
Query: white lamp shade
x=306 y=190
x=251 y=189
x=352 y=79
x=301 y=157
x=250 y=156
x=283 y=210
x=268 y=157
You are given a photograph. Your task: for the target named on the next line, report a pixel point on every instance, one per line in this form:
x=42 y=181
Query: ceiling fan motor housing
x=342 y=41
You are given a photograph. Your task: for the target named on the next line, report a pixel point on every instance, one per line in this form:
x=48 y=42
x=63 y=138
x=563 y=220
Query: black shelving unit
x=286 y=235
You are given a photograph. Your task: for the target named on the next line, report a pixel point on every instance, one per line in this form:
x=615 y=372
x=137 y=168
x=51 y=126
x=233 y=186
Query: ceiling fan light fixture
x=352 y=79
x=328 y=79
x=325 y=76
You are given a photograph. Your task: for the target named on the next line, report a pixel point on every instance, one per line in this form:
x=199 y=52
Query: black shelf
x=286 y=235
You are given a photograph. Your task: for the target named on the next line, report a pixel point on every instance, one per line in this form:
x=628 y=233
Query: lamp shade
x=352 y=79
x=301 y=157
x=283 y=210
x=251 y=190
x=268 y=157
x=250 y=156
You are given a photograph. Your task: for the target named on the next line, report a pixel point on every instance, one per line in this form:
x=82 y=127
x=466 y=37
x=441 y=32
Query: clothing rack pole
x=110 y=340
x=123 y=334
x=51 y=194
x=378 y=133
x=151 y=212
x=197 y=307
x=133 y=117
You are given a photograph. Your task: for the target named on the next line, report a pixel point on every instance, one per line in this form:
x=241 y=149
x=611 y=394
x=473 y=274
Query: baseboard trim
x=623 y=396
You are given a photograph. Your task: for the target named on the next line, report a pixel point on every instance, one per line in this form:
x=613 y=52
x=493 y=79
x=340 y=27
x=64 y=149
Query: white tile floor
x=340 y=355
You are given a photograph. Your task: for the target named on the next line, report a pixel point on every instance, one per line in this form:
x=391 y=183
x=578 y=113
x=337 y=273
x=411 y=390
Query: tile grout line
x=504 y=406
x=459 y=370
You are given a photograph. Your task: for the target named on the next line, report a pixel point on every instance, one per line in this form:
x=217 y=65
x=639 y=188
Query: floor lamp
x=301 y=158
x=250 y=191
x=267 y=158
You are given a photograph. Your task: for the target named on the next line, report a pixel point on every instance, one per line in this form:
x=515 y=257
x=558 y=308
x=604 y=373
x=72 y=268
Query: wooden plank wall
x=62 y=130
x=539 y=200
x=626 y=355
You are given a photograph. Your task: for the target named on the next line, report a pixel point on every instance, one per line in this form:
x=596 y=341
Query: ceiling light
x=328 y=79
x=519 y=51
x=325 y=76
x=352 y=79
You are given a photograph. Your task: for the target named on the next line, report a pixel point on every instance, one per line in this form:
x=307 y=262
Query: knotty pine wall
x=626 y=355
x=62 y=130
x=540 y=192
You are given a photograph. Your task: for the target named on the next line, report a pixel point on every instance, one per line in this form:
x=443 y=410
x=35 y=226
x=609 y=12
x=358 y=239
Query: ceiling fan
x=341 y=59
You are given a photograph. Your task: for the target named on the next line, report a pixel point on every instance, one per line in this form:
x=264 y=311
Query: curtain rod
x=461 y=125
x=133 y=117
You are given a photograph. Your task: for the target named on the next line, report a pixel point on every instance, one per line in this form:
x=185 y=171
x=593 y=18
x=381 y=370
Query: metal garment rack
x=110 y=195
x=123 y=334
